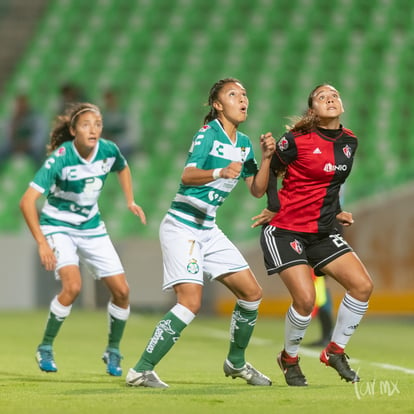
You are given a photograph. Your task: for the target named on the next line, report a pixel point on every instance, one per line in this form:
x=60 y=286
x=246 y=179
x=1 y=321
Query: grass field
x=381 y=349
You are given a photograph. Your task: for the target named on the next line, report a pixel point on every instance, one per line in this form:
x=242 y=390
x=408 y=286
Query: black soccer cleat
x=291 y=370
x=338 y=361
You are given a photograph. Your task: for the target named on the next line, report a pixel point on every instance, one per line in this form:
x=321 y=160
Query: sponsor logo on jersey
x=297 y=246
x=215 y=197
x=317 y=151
x=204 y=128
x=220 y=149
x=60 y=151
x=193 y=267
x=283 y=144
x=79 y=210
x=347 y=151
x=332 y=167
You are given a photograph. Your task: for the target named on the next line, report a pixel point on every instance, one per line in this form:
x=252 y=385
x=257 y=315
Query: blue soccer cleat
x=44 y=357
x=112 y=359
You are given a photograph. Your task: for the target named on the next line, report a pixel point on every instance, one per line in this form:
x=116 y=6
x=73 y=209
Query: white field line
x=217 y=333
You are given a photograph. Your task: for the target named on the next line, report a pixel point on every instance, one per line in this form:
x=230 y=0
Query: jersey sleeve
x=200 y=148
x=250 y=164
x=120 y=161
x=273 y=203
x=249 y=168
x=46 y=175
x=286 y=151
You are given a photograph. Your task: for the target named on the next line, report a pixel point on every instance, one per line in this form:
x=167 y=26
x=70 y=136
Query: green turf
x=381 y=350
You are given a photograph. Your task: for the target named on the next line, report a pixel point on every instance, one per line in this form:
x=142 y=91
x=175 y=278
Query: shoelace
x=114 y=359
x=343 y=359
x=46 y=355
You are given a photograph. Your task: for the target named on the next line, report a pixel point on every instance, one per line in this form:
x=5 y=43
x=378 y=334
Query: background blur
x=149 y=65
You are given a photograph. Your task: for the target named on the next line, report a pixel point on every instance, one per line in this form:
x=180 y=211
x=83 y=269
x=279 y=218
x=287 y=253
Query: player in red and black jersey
x=314 y=158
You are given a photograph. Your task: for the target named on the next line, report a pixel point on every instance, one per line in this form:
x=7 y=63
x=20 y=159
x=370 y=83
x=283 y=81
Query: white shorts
x=97 y=253
x=190 y=254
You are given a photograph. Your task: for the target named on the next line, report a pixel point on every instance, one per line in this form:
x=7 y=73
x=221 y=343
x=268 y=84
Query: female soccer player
x=323 y=300
x=70 y=229
x=315 y=157
x=193 y=245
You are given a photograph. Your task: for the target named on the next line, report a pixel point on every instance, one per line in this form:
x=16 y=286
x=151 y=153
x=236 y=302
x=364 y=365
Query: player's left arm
x=258 y=183
x=273 y=204
x=125 y=180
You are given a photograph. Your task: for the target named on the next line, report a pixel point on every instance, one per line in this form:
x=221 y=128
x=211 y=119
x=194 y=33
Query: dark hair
x=213 y=95
x=308 y=120
x=61 y=130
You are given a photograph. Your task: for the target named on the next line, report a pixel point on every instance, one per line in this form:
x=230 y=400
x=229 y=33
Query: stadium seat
x=165 y=55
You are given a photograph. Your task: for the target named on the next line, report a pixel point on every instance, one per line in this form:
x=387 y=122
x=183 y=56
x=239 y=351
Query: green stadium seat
x=165 y=55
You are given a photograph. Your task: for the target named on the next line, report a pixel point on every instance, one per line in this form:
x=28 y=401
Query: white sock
x=251 y=306
x=350 y=313
x=61 y=311
x=117 y=312
x=295 y=329
x=183 y=313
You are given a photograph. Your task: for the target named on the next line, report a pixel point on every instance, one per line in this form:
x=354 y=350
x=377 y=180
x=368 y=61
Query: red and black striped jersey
x=317 y=164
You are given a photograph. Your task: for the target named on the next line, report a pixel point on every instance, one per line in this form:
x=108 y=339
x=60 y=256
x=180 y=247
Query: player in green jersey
x=192 y=244
x=70 y=230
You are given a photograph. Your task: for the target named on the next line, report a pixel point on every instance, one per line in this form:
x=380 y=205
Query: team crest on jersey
x=297 y=246
x=347 y=151
x=283 y=144
x=193 y=267
x=243 y=153
x=60 y=151
x=204 y=128
x=105 y=166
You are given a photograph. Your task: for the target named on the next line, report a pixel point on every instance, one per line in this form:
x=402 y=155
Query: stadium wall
x=25 y=285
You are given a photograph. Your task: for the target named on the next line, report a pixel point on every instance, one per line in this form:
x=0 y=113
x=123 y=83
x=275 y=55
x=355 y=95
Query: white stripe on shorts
x=271 y=245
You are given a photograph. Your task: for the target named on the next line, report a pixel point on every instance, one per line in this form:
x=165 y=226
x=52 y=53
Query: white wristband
x=216 y=173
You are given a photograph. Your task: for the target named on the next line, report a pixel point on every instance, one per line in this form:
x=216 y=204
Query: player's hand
x=233 y=170
x=138 y=211
x=263 y=218
x=345 y=218
x=47 y=256
x=267 y=145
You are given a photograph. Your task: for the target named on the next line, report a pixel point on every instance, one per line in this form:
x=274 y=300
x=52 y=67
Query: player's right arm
x=30 y=214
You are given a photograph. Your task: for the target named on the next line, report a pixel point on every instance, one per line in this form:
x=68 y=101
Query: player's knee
x=192 y=304
x=121 y=294
x=305 y=305
x=72 y=289
x=252 y=295
x=256 y=295
x=364 y=290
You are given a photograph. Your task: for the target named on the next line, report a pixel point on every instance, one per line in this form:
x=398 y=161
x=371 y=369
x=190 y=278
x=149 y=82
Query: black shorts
x=284 y=248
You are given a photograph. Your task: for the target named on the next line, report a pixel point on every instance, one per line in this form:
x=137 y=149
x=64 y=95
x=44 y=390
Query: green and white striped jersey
x=73 y=185
x=211 y=148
